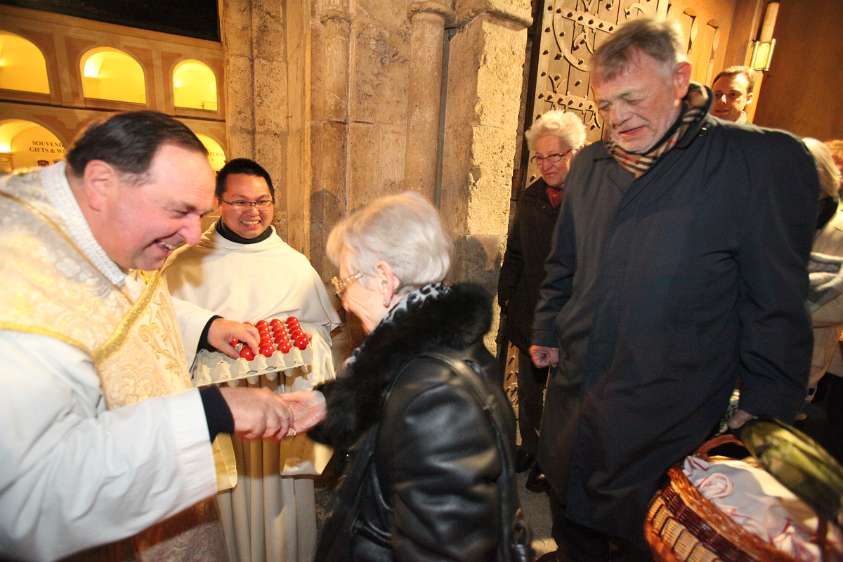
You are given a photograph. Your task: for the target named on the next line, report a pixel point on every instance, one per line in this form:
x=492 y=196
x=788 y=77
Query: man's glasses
x=243 y=204
x=342 y=283
x=550 y=158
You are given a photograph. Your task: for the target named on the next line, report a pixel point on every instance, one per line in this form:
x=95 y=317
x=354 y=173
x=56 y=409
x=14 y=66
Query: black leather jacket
x=425 y=478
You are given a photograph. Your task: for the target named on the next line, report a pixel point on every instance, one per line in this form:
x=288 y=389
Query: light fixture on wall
x=762 y=55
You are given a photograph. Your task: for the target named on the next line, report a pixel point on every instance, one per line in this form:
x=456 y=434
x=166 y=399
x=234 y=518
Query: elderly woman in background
x=825 y=300
x=431 y=476
x=554 y=140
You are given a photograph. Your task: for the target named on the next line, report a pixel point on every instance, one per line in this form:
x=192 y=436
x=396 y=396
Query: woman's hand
x=308 y=407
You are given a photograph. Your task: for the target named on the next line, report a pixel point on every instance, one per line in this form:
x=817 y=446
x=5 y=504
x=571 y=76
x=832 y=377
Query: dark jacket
x=424 y=481
x=522 y=270
x=661 y=293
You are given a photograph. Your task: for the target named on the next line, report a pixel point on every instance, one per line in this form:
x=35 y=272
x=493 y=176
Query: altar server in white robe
x=243 y=270
x=104 y=441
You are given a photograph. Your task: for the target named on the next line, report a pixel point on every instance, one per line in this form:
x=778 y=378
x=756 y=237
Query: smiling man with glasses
x=242 y=269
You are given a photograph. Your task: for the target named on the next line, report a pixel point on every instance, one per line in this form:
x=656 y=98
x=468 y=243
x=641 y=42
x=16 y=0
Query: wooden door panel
x=706 y=25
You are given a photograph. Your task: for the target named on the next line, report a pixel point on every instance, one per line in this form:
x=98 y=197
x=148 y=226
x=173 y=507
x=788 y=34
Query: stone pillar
x=269 y=59
x=236 y=31
x=331 y=32
x=427 y=20
x=485 y=77
x=298 y=181
x=258 y=119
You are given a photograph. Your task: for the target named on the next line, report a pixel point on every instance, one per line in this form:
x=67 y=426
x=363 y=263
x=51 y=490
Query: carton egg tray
x=212 y=367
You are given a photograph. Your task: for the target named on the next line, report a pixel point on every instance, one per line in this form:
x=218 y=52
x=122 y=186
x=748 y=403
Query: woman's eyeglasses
x=550 y=158
x=342 y=283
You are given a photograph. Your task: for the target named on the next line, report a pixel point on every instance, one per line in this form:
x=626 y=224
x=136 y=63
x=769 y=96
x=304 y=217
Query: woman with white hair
x=825 y=299
x=431 y=438
x=554 y=140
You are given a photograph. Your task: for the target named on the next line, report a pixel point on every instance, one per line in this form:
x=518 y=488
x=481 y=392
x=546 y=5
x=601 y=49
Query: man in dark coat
x=553 y=140
x=677 y=269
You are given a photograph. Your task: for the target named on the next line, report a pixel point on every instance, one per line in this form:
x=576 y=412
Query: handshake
x=260 y=413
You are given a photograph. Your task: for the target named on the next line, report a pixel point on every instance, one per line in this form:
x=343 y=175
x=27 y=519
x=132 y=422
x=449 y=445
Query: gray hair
x=826 y=168
x=660 y=39
x=403 y=230
x=567 y=127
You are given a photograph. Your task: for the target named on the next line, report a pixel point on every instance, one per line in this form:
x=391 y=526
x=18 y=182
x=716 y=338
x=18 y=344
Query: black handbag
x=515 y=533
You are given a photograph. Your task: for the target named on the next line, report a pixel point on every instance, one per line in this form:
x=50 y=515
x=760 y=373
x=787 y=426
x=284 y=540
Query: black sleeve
x=513 y=262
x=776 y=338
x=203 y=339
x=560 y=266
x=217 y=413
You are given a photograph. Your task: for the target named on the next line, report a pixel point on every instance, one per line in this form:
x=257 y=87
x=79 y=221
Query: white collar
x=60 y=195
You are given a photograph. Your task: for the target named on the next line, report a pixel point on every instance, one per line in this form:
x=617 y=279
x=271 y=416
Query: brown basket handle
x=702 y=450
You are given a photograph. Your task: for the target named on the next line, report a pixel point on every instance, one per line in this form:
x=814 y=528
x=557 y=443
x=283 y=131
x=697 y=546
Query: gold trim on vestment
x=118 y=336
x=60 y=231
x=14 y=327
x=224 y=462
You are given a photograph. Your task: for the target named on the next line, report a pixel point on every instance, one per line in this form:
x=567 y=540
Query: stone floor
x=537 y=511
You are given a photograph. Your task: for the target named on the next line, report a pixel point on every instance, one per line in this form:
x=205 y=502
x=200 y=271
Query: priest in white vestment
x=243 y=270
x=105 y=443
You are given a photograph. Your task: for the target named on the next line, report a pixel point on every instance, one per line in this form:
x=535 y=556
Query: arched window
x=194 y=86
x=24 y=144
x=110 y=74
x=216 y=155
x=22 y=65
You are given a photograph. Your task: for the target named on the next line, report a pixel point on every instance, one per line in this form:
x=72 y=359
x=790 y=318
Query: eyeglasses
x=550 y=158
x=243 y=204
x=342 y=283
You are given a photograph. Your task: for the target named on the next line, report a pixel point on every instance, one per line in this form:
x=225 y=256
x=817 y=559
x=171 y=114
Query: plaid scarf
x=694 y=107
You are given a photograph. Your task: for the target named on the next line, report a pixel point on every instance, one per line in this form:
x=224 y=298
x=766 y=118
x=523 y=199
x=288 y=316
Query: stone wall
x=344 y=101
x=485 y=80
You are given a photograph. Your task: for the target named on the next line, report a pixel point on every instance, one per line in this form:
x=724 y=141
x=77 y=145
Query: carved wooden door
x=706 y=25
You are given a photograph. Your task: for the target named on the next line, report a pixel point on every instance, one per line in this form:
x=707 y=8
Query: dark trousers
x=576 y=543
x=531 y=383
x=832 y=403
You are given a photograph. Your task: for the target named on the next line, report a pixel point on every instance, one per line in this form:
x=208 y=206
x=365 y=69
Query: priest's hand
x=543 y=356
x=222 y=331
x=258 y=412
x=309 y=408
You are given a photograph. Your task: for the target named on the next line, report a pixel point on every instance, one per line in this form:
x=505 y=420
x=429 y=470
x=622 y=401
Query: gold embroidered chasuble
x=53 y=289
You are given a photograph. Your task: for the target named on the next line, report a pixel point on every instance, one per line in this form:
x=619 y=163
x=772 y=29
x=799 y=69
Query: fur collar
x=455 y=321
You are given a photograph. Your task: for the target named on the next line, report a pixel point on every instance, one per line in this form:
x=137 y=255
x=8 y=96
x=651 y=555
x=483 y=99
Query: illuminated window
x=194 y=86
x=22 y=65
x=216 y=156
x=109 y=74
x=24 y=144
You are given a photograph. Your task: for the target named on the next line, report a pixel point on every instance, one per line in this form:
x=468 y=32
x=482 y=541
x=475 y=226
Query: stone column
x=427 y=20
x=269 y=58
x=236 y=27
x=298 y=181
x=485 y=75
x=257 y=114
x=330 y=32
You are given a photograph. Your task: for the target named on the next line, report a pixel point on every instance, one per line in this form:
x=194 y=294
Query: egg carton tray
x=213 y=367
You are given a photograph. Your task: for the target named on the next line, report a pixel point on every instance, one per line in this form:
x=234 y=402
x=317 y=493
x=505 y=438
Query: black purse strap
x=517 y=536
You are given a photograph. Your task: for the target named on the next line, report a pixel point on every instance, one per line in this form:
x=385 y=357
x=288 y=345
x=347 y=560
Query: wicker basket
x=682 y=525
